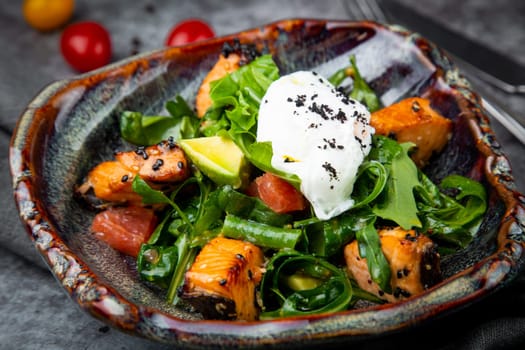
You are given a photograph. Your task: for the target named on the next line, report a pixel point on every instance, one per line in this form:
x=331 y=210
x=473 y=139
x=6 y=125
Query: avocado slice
x=219 y=158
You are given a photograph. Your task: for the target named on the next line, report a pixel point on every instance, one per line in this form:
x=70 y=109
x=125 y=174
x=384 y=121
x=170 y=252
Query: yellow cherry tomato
x=46 y=15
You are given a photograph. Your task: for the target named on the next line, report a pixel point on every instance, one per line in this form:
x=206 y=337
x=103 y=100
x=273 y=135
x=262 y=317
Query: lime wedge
x=219 y=158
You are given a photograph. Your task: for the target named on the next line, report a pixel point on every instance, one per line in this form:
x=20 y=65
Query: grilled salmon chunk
x=223 y=66
x=414 y=120
x=158 y=165
x=221 y=282
x=413 y=260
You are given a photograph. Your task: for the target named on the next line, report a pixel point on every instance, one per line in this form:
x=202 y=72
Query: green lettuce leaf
x=146 y=130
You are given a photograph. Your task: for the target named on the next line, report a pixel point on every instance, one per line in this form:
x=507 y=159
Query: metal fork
x=365 y=9
x=371 y=10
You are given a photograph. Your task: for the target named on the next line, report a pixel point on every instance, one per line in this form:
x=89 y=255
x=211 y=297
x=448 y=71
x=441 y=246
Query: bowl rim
x=483 y=278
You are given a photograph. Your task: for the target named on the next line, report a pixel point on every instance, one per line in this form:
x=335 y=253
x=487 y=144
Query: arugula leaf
x=370 y=248
x=141 y=129
x=149 y=195
x=398 y=202
x=452 y=220
x=361 y=91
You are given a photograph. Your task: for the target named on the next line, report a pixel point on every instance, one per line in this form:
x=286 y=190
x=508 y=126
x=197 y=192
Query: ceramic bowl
x=72 y=124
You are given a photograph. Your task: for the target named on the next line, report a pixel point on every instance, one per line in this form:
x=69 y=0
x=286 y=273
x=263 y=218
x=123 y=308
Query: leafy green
x=156 y=263
x=370 y=248
x=452 y=220
x=260 y=234
x=361 y=91
x=141 y=129
x=300 y=284
x=398 y=203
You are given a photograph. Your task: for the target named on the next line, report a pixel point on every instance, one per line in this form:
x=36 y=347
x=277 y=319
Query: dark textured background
x=34 y=311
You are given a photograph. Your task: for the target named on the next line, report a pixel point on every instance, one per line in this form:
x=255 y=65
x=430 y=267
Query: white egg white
x=318 y=134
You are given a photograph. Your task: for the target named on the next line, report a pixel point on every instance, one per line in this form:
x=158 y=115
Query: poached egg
x=318 y=134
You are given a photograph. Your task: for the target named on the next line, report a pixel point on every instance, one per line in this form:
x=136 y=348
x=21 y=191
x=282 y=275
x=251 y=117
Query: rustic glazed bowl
x=71 y=125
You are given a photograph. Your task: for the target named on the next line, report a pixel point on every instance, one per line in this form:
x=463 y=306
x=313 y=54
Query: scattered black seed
x=223 y=281
x=416 y=107
x=171 y=142
x=410 y=238
x=180 y=165
x=250 y=275
x=322 y=110
x=149 y=8
x=289 y=99
x=399 y=274
x=406 y=271
x=141 y=152
x=124 y=178
x=248 y=52
x=158 y=164
x=331 y=170
x=239 y=256
x=401 y=292
x=361 y=144
x=299 y=101
x=136 y=43
x=381 y=293
x=341 y=116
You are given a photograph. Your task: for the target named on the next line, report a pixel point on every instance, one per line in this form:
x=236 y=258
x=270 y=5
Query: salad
x=283 y=195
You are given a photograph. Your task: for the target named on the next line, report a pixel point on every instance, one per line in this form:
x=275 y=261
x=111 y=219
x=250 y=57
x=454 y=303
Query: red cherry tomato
x=277 y=194
x=86 y=46
x=125 y=228
x=189 y=31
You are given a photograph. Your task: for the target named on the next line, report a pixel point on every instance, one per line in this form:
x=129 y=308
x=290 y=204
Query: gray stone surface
x=36 y=313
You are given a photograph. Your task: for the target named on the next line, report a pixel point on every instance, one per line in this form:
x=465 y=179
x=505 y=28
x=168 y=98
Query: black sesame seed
x=171 y=142
x=410 y=238
x=223 y=281
x=141 y=152
x=158 y=164
x=124 y=178
x=239 y=256
x=180 y=165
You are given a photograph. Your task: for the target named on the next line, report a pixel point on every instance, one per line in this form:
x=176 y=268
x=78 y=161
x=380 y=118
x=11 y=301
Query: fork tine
x=365 y=9
x=353 y=10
